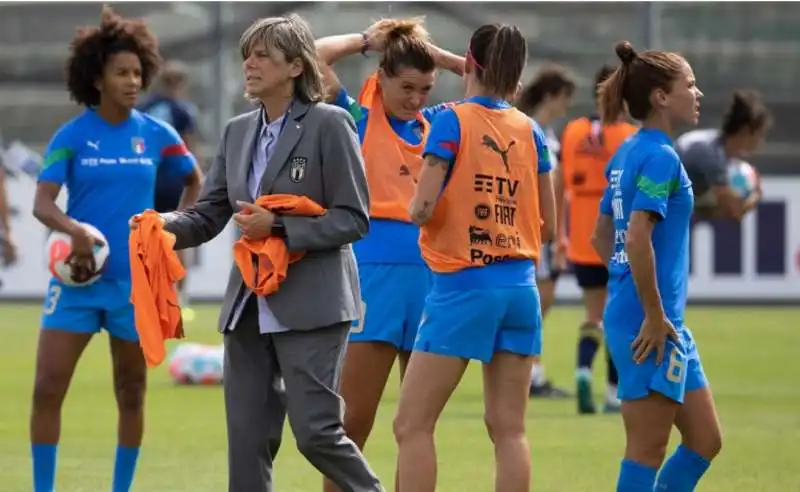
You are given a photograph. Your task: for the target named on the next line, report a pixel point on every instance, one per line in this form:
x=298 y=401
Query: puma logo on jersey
x=94 y=145
x=489 y=142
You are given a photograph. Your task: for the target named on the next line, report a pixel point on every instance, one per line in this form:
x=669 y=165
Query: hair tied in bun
x=625 y=52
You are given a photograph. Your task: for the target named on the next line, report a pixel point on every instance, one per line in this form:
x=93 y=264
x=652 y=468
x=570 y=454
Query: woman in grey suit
x=291 y=144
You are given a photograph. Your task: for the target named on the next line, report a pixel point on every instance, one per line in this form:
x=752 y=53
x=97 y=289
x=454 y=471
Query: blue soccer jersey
x=646 y=175
x=109 y=172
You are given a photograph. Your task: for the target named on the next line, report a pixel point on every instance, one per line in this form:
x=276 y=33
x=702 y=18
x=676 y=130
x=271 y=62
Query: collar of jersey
x=657 y=135
x=489 y=102
x=92 y=112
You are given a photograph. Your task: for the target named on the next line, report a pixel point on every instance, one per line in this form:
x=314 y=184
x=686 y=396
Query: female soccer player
x=589 y=143
x=107 y=158
x=706 y=154
x=643 y=233
x=393 y=124
x=545 y=99
x=485 y=202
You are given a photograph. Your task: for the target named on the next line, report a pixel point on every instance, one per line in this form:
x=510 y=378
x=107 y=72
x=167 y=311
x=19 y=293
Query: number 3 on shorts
x=675 y=368
x=53 y=295
x=360 y=326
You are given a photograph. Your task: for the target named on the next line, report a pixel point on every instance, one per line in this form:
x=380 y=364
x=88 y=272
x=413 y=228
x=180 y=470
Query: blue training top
x=646 y=174
x=110 y=172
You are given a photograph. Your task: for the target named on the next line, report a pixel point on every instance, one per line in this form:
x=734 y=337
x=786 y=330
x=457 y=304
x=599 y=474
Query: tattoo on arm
x=424 y=213
x=430 y=184
x=434 y=161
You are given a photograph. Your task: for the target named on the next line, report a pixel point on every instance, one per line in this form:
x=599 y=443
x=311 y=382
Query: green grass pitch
x=750 y=355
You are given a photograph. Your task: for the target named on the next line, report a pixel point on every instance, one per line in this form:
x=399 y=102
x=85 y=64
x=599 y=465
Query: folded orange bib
x=272 y=256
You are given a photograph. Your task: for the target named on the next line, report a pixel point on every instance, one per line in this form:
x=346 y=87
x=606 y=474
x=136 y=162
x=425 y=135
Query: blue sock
x=44 y=466
x=124 y=467
x=682 y=471
x=634 y=477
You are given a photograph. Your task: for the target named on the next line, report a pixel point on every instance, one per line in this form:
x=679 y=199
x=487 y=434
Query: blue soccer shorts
x=477 y=323
x=681 y=370
x=88 y=309
x=392 y=300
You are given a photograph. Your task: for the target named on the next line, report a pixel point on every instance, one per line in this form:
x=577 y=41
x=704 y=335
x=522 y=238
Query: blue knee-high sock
x=124 y=468
x=682 y=471
x=44 y=466
x=635 y=477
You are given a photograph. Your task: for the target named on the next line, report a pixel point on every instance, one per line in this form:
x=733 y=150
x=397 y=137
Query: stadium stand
x=730 y=45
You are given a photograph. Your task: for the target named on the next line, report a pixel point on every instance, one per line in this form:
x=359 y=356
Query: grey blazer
x=317 y=155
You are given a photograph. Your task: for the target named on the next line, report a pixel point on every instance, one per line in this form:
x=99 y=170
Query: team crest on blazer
x=297 y=171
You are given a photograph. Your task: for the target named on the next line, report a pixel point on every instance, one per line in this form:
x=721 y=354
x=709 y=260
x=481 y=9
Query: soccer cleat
x=585 y=401
x=547 y=390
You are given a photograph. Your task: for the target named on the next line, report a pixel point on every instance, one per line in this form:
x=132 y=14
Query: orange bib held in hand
x=272 y=257
x=155 y=268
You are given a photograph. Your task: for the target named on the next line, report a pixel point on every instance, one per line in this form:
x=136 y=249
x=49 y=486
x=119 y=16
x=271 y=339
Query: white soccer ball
x=192 y=363
x=742 y=177
x=59 y=247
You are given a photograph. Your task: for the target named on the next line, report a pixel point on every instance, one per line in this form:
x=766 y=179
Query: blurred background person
x=709 y=153
x=588 y=144
x=169 y=102
x=546 y=99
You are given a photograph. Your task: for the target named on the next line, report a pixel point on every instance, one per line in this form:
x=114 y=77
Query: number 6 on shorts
x=675 y=368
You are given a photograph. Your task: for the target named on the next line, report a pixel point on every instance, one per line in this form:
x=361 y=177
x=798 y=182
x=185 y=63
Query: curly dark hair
x=93 y=46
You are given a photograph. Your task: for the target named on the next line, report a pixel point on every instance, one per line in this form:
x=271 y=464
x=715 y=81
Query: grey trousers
x=256 y=404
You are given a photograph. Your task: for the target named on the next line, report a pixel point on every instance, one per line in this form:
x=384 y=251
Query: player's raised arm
x=332 y=49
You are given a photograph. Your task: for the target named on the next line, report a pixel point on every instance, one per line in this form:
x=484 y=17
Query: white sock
x=583 y=373
x=611 y=394
x=537 y=375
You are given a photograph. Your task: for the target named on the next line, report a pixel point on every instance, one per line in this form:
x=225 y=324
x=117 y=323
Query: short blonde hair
x=291 y=36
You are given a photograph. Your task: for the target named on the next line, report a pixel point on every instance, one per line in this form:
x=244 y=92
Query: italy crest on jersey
x=138 y=145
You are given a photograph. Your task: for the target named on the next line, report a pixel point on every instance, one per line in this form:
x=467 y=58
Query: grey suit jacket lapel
x=250 y=138
x=287 y=141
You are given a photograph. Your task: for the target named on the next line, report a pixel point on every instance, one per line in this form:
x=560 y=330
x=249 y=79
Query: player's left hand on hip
x=253 y=221
x=653 y=335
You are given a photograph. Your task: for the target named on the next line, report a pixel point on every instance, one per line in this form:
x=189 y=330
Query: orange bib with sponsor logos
x=489 y=209
x=587 y=146
x=392 y=164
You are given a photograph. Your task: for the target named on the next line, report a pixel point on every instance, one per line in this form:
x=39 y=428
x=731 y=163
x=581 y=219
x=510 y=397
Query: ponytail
x=406 y=46
x=500 y=54
x=611 y=92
